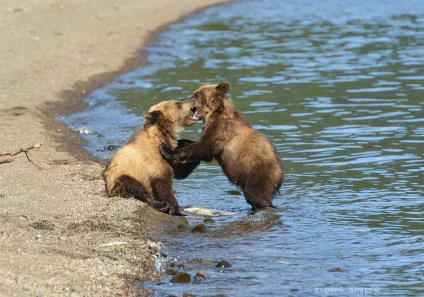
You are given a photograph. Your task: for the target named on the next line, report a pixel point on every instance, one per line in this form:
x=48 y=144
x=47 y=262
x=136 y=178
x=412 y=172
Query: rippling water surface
x=338 y=87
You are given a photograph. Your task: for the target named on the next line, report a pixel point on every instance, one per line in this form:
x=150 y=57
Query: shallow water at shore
x=339 y=91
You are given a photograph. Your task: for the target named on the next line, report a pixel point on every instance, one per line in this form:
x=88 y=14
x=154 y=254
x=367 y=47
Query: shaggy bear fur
x=138 y=169
x=248 y=159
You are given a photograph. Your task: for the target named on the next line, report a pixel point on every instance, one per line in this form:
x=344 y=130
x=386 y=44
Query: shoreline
x=58 y=231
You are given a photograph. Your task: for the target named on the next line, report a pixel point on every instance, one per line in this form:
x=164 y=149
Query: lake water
x=338 y=87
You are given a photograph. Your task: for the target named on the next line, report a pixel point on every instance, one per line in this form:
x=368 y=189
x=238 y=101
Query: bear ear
x=152 y=116
x=223 y=87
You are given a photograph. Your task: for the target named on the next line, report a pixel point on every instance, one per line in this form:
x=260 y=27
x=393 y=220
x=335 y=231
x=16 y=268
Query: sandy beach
x=59 y=234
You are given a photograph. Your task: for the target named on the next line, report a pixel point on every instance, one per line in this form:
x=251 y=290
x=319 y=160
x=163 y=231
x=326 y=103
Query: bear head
x=209 y=99
x=170 y=116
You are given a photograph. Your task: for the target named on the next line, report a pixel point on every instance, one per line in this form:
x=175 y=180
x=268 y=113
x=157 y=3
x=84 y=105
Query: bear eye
x=196 y=95
x=178 y=104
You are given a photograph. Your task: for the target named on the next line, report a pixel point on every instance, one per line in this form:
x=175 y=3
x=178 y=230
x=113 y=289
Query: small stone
x=111 y=147
x=199 y=276
x=206 y=261
x=181 y=278
x=208 y=221
x=182 y=227
x=199 y=228
x=223 y=264
x=181 y=221
x=335 y=269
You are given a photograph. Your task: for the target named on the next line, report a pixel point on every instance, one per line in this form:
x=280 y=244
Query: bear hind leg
x=126 y=186
x=258 y=192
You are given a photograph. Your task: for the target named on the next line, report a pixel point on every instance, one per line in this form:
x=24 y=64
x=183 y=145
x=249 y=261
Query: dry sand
x=54 y=216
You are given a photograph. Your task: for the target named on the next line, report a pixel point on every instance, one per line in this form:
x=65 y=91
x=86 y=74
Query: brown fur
x=138 y=170
x=248 y=159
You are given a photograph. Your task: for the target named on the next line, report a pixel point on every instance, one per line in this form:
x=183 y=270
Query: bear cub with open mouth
x=248 y=159
x=138 y=169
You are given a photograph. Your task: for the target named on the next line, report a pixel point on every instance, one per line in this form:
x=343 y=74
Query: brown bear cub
x=248 y=159
x=138 y=169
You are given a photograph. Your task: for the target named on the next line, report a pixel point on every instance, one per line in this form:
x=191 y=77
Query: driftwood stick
x=21 y=150
x=39 y=165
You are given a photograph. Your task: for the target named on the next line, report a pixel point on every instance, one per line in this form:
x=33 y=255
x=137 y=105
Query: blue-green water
x=338 y=87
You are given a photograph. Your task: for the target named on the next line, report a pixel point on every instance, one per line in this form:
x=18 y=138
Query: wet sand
x=58 y=231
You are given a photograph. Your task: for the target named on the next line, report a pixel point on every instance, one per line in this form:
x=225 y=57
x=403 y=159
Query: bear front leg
x=164 y=192
x=160 y=206
x=172 y=154
x=183 y=169
x=184 y=142
x=194 y=152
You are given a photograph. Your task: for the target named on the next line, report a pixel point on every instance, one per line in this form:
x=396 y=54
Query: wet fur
x=138 y=169
x=248 y=159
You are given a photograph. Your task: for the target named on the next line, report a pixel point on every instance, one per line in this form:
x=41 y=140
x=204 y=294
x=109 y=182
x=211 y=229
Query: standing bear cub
x=138 y=169
x=248 y=159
